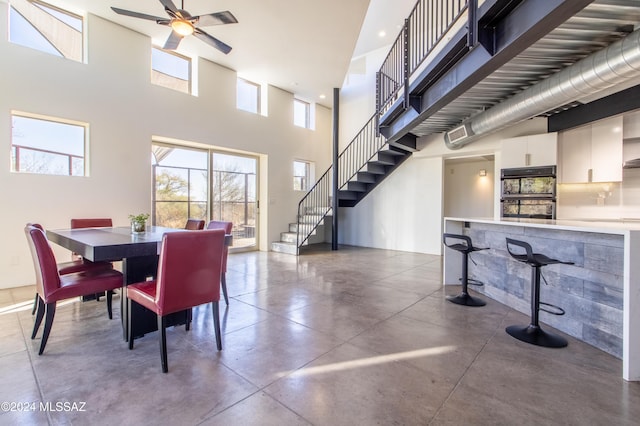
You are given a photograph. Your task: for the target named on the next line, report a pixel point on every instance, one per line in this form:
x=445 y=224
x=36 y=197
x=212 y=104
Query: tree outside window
x=47 y=146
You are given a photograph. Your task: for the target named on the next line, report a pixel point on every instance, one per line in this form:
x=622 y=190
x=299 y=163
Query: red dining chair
x=52 y=287
x=100 y=222
x=194 y=224
x=91 y=223
x=188 y=275
x=216 y=224
x=78 y=265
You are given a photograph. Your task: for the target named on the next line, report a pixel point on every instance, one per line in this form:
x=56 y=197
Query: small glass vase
x=138 y=227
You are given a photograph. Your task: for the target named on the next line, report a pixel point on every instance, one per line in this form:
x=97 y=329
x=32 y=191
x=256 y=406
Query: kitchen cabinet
x=591 y=153
x=631 y=125
x=533 y=150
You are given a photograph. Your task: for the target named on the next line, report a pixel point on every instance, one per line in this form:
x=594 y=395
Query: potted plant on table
x=139 y=223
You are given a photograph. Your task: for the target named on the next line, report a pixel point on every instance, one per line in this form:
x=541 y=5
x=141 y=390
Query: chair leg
x=223 y=283
x=129 y=322
x=187 y=326
x=35 y=304
x=216 y=324
x=109 y=299
x=163 y=344
x=48 y=322
x=38 y=320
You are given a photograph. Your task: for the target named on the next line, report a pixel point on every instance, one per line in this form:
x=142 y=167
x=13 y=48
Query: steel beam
x=503 y=34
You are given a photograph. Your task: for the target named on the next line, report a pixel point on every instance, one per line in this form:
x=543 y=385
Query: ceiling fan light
x=184 y=28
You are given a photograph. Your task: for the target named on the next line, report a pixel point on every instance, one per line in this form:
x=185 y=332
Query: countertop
x=605 y=226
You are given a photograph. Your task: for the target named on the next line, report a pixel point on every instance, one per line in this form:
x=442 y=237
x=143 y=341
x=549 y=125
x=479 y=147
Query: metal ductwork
x=608 y=67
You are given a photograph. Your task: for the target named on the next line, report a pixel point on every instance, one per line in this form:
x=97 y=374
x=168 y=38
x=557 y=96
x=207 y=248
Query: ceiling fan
x=183 y=24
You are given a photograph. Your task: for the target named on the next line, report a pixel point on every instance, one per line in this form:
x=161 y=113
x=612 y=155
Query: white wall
x=466 y=193
x=403 y=213
x=112 y=93
x=358 y=94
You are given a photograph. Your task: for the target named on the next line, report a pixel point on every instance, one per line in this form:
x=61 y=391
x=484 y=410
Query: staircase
x=363 y=164
x=312 y=228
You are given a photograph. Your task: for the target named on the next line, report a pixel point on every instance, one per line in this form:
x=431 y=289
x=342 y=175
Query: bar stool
x=465 y=248
x=532 y=333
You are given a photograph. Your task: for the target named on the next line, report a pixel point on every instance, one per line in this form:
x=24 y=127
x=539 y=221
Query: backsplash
x=613 y=200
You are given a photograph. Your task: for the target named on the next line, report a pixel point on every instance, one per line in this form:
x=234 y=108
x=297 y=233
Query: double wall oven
x=529 y=192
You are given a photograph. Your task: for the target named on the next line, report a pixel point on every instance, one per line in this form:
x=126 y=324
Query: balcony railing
x=428 y=22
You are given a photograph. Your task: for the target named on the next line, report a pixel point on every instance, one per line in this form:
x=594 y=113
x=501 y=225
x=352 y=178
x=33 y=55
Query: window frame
x=258 y=98
x=43 y=6
x=15 y=149
x=189 y=81
x=307 y=113
x=213 y=203
x=308 y=175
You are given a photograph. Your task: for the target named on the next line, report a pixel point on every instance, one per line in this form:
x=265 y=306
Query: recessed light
x=323 y=96
x=382 y=34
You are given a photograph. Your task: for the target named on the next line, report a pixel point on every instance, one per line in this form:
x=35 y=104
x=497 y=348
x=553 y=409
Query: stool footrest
x=472 y=281
x=551 y=309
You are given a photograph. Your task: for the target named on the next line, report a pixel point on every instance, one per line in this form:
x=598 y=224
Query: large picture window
x=47 y=146
x=47 y=28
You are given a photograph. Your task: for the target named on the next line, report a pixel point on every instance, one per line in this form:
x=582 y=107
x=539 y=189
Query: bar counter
x=600 y=292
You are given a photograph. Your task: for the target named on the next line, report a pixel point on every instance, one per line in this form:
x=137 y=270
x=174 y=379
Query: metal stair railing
x=427 y=24
x=317 y=202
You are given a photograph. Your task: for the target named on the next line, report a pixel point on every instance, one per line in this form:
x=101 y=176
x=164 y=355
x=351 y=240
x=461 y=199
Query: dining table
x=139 y=253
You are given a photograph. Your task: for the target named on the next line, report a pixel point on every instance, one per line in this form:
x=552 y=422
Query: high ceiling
x=302 y=46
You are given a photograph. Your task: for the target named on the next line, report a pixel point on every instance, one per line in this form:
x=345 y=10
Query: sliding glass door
x=180 y=178
x=206 y=184
x=234 y=195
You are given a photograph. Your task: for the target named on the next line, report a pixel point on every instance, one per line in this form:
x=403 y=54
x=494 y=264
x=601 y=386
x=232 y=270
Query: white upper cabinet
x=533 y=150
x=592 y=153
x=631 y=125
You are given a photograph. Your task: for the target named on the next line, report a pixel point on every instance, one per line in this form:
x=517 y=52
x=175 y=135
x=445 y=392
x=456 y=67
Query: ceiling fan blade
x=168 y=4
x=137 y=15
x=219 y=18
x=209 y=39
x=173 y=41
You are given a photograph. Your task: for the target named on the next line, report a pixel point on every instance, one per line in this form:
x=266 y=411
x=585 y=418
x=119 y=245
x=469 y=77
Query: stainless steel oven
x=529 y=192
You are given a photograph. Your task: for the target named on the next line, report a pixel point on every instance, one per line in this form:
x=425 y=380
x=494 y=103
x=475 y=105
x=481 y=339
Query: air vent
x=454 y=136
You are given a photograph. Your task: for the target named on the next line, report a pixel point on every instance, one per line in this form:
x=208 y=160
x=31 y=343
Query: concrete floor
x=353 y=337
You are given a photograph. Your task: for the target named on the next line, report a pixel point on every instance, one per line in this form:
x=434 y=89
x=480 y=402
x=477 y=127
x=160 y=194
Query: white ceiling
x=302 y=46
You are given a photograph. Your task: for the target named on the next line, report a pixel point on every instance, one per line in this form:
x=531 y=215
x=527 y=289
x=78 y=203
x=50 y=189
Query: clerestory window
x=47 y=28
x=168 y=69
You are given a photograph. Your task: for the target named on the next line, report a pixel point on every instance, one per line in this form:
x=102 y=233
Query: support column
x=336 y=152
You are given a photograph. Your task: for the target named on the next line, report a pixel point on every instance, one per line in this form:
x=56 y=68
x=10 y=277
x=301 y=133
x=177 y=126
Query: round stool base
x=466 y=300
x=536 y=336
